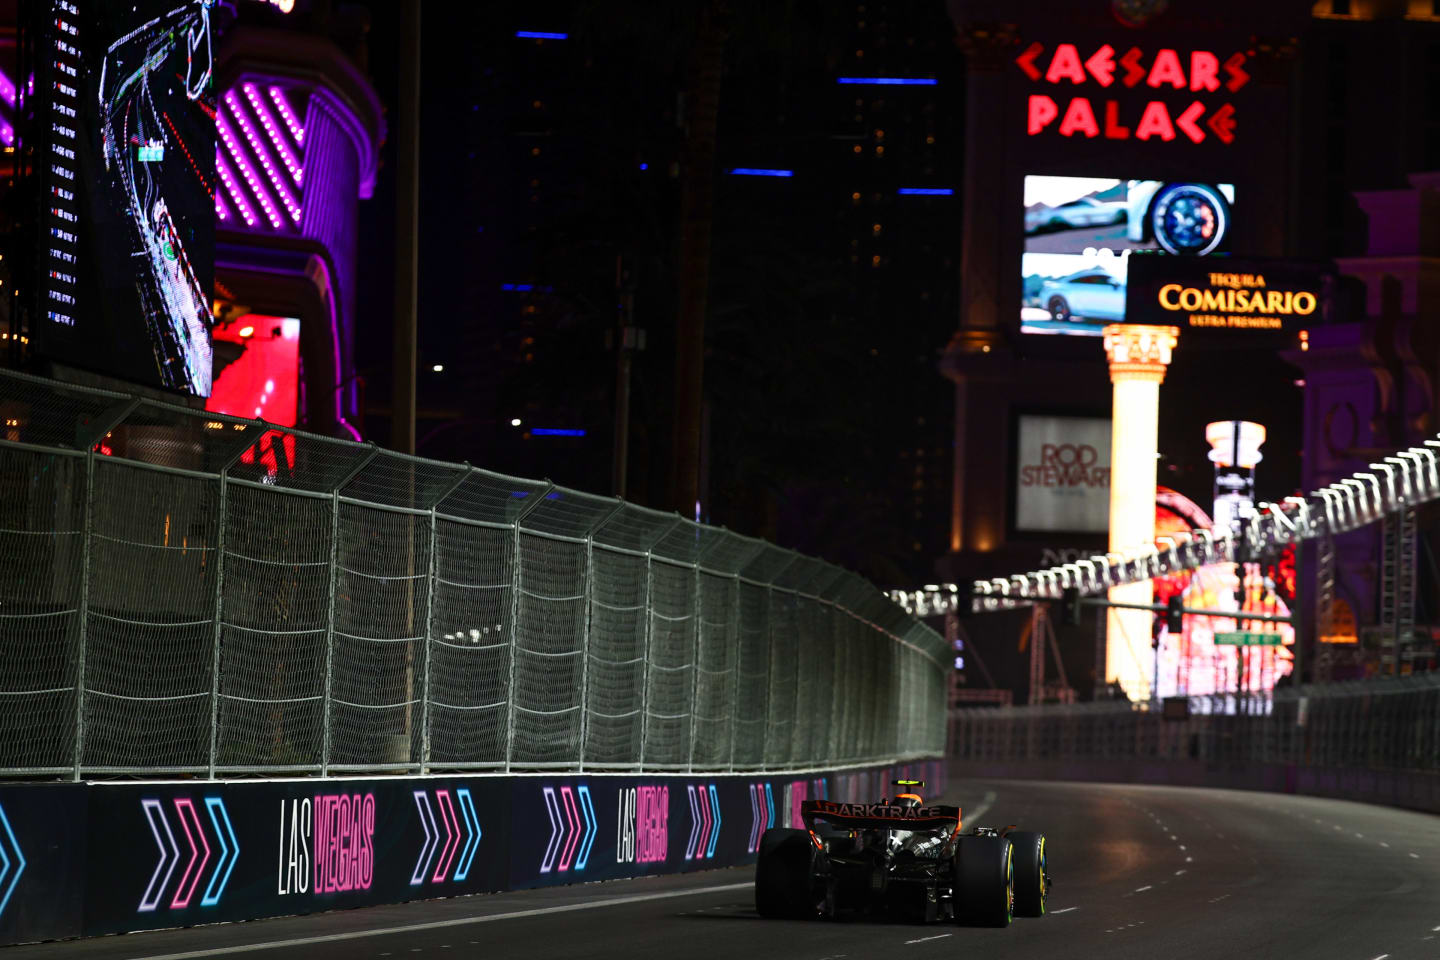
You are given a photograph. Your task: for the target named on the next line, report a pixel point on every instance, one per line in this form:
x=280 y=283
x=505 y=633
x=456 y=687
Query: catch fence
x=187 y=593
x=1387 y=724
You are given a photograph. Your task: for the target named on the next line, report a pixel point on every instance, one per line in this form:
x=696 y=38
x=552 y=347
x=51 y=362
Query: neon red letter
x=1186 y=122
x=1134 y=73
x=1042 y=111
x=1079 y=116
x=1167 y=69
x=1155 y=122
x=1066 y=65
x=1222 y=122
x=1204 y=71
x=1113 y=130
x=1026 y=60
x=1102 y=65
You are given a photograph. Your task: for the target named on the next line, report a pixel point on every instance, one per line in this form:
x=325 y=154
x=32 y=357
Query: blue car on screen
x=1089 y=294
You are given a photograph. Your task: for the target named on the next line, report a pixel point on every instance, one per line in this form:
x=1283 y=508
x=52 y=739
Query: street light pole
x=407 y=230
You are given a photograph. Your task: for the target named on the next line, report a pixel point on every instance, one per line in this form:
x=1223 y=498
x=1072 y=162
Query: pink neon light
x=452 y=835
x=258 y=147
x=227 y=179
x=297 y=173
x=573 y=819
x=288 y=115
x=227 y=136
x=181 y=805
x=705 y=829
x=221 y=211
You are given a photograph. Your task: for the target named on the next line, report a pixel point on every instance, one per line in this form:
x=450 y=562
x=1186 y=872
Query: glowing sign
x=572 y=828
x=198 y=843
x=1165 y=71
x=1223 y=294
x=344 y=842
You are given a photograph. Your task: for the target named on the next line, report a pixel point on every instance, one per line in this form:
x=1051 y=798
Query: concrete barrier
x=84 y=859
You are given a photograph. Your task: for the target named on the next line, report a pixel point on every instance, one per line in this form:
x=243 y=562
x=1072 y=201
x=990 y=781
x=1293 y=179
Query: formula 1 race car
x=901 y=858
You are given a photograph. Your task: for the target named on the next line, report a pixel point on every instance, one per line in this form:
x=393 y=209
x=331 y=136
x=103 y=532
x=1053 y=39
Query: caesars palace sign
x=1070 y=109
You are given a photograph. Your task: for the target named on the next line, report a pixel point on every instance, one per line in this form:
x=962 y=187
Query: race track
x=1139 y=872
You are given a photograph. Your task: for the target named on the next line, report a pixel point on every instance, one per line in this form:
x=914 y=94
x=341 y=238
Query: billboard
x=127 y=255
x=257 y=368
x=1226 y=295
x=1080 y=233
x=1062 y=475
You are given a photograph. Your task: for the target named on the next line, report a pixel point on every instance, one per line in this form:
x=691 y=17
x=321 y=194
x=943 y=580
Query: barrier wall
x=85 y=859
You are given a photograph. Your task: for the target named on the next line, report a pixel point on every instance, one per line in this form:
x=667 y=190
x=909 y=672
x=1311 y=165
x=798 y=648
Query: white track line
x=1067 y=910
x=938 y=936
x=442 y=924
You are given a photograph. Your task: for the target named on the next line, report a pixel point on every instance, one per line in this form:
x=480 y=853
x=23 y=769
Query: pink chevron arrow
x=705 y=829
x=183 y=805
x=573 y=820
x=452 y=835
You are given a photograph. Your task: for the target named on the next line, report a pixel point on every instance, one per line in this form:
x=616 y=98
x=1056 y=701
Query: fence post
x=325 y=709
x=101 y=428
x=695 y=669
x=219 y=605
x=515 y=581
x=735 y=686
x=588 y=595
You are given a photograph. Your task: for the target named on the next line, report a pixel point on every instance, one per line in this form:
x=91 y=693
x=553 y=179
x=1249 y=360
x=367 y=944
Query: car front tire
x=1059 y=308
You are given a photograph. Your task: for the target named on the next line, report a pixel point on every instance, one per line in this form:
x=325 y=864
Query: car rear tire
x=1059 y=309
x=984 y=881
x=1031 y=883
x=783 y=875
x=1197 y=195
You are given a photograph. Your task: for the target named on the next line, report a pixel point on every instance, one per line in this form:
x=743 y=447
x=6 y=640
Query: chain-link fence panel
x=196 y=593
x=42 y=545
x=471 y=631
x=149 y=628
x=376 y=674
x=274 y=627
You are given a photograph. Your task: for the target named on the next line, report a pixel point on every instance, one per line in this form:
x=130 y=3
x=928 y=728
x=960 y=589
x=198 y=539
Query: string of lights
x=1395 y=483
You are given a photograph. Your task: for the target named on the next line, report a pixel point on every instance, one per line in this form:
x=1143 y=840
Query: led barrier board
x=126 y=258
x=1081 y=231
x=1226 y=295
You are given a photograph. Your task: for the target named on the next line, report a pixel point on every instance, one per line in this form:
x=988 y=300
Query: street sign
x=1246 y=639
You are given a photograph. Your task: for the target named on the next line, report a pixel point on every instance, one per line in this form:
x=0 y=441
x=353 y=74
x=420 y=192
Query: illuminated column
x=1138 y=358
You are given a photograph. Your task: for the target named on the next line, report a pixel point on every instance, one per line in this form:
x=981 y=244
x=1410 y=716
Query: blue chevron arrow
x=5 y=867
x=472 y=842
x=212 y=892
x=588 y=809
x=715 y=833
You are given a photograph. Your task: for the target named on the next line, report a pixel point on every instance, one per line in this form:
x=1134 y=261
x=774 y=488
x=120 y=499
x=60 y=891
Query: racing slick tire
x=783 y=885
x=984 y=881
x=1031 y=882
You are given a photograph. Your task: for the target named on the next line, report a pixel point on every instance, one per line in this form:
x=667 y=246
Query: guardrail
x=182 y=592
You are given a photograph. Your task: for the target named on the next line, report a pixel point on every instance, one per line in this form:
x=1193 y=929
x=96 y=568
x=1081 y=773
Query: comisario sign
x=1225 y=294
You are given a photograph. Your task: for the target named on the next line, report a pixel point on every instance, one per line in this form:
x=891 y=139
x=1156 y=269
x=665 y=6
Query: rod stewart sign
x=1062 y=474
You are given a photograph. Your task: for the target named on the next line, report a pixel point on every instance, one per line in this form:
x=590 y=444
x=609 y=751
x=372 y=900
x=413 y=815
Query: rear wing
x=880 y=816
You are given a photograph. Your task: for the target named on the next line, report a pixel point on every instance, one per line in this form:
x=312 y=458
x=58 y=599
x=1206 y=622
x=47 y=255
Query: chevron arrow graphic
x=754 y=819
x=573 y=820
x=694 y=822
x=714 y=833
x=170 y=855
x=432 y=837
x=557 y=830
x=6 y=863
x=183 y=894
x=472 y=841
x=452 y=835
x=215 y=889
x=588 y=809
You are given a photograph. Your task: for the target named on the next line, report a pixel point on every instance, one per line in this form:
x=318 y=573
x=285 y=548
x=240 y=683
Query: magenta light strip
x=297 y=173
x=258 y=147
x=227 y=178
x=227 y=136
x=288 y=115
x=7 y=89
x=221 y=211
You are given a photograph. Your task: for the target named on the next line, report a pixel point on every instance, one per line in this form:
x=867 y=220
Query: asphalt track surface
x=1139 y=871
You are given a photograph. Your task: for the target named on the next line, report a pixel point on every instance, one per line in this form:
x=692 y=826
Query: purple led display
x=252 y=137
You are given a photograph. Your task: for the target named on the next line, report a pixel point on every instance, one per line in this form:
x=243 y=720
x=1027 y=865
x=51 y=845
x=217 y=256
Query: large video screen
x=1080 y=231
x=257 y=368
x=127 y=258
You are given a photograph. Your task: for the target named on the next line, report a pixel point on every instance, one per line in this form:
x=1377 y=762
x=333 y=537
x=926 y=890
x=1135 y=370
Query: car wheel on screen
x=1059 y=308
x=1189 y=218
